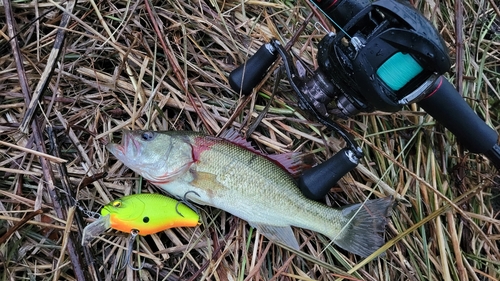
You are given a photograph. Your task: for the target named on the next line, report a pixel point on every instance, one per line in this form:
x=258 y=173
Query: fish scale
x=249 y=167
x=216 y=172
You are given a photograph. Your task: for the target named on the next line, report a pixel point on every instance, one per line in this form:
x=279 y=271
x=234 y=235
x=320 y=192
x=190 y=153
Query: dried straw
x=74 y=73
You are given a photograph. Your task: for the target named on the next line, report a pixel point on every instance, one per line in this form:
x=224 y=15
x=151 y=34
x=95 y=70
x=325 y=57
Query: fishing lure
x=141 y=214
x=148 y=213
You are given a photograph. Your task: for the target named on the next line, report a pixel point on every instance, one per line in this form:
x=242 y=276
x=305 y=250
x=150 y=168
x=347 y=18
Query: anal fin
x=279 y=234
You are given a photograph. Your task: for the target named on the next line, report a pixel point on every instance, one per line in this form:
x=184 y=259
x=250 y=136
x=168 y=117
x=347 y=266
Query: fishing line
x=330 y=18
x=76 y=203
x=87 y=212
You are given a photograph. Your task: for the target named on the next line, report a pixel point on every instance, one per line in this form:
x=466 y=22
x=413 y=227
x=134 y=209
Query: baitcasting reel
x=385 y=55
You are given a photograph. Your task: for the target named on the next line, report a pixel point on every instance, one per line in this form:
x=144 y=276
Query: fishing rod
x=384 y=55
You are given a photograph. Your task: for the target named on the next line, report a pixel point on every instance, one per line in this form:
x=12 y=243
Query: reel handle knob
x=244 y=78
x=317 y=181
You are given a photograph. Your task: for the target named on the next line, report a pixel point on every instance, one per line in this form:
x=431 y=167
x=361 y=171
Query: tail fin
x=363 y=234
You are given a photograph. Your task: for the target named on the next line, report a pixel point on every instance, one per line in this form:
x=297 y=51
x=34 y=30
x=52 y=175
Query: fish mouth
x=129 y=147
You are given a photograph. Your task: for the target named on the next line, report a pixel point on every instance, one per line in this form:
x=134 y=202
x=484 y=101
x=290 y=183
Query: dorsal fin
x=233 y=136
x=290 y=161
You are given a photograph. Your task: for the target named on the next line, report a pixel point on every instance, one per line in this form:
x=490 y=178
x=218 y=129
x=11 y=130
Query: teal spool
x=398 y=70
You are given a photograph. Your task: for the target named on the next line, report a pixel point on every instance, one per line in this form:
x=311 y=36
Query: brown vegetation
x=76 y=72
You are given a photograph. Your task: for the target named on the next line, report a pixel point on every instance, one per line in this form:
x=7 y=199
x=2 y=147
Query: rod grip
x=447 y=106
x=244 y=78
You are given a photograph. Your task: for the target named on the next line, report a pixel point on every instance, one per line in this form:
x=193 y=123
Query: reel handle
x=244 y=78
x=317 y=181
x=449 y=108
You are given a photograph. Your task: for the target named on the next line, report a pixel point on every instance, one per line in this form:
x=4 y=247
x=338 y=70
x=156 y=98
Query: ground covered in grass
x=74 y=73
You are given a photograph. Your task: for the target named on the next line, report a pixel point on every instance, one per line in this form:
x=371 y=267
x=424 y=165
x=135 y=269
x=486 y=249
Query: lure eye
x=147 y=136
x=117 y=203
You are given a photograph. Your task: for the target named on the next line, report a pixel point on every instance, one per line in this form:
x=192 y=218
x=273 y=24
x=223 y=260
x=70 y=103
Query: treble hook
x=185 y=202
x=133 y=235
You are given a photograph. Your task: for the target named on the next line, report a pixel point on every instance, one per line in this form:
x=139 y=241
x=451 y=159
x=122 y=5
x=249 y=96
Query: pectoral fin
x=280 y=234
x=207 y=182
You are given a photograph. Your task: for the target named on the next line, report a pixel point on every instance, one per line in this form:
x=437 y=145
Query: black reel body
x=382 y=57
x=385 y=55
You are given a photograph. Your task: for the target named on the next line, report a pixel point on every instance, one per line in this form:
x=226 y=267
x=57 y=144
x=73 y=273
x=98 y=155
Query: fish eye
x=116 y=203
x=147 y=136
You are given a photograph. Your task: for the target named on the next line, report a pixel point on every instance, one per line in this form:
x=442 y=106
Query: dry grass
x=114 y=72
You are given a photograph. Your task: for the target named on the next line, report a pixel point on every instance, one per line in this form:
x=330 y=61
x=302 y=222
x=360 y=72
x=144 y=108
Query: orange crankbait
x=148 y=213
x=141 y=214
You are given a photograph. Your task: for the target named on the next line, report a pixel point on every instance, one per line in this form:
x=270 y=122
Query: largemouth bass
x=216 y=172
